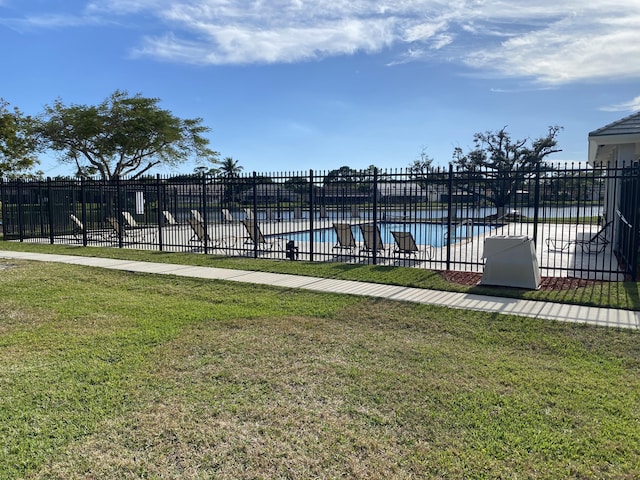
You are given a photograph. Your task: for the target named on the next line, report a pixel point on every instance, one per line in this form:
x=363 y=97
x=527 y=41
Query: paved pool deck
x=603 y=317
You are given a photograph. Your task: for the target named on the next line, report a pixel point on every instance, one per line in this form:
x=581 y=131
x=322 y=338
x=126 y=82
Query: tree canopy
x=18 y=145
x=500 y=164
x=122 y=136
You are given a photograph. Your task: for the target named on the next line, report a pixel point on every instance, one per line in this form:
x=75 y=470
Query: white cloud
x=571 y=49
x=239 y=44
x=630 y=106
x=548 y=41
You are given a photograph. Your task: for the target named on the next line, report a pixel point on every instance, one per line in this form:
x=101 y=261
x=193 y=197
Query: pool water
x=433 y=234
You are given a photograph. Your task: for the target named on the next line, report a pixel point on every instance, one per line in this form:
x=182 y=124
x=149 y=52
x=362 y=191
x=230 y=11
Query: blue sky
x=293 y=85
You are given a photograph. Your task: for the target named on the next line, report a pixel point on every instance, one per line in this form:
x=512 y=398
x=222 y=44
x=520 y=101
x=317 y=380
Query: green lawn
x=109 y=374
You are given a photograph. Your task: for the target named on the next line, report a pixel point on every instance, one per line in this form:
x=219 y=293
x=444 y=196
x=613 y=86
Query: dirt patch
x=472 y=279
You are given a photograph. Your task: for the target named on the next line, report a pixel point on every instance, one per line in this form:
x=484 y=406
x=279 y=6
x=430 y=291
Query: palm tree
x=230 y=168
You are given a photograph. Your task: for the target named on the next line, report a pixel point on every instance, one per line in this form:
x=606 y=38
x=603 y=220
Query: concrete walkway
x=545 y=310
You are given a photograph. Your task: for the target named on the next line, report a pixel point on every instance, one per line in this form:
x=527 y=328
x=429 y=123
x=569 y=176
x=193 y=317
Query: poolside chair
x=135 y=235
x=79 y=230
x=226 y=215
x=345 y=238
x=257 y=238
x=201 y=235
x=372 y=238
x=249 y=213
x=170 y=219
x=406 y=245
x=78 y=227
x=129 y=220
x=594 y=244
x=115 y=225
x=196 y=214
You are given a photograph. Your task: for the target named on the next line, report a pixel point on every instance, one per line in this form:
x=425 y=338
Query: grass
x=109 y=374
x=625 y=295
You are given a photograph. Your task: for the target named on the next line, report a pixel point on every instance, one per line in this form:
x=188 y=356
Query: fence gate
x=628 y=220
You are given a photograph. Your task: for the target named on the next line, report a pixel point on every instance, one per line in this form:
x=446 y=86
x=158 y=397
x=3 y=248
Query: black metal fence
x=584 y=221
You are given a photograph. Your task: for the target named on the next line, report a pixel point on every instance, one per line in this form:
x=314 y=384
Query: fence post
x=50 y=196
x=255 y=213
x=375 y=215
x=536 y=204
x=3 y=204
x=205 y=216
x=20 y=214
x=449 y=216
x=118 y=218
x=83 y=206
x=311 y=214
x=159 y=212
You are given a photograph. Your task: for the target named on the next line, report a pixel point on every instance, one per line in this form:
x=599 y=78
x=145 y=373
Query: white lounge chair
x=169 y=218
x=226 y=215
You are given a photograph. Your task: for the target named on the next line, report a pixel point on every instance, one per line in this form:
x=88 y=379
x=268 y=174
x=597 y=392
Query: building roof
x=605 y=140
x=626 y=126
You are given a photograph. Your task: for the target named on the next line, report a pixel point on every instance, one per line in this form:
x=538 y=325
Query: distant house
x=192 y=192
x=343 y=193
x=270 y=193
x=400 y=191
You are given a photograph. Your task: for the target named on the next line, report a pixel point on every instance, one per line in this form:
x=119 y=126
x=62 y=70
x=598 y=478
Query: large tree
x=122 y=136
x=18 y=145
x=497 y=165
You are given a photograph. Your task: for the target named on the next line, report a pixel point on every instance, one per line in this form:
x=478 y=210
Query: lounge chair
x=78 y=227
x=257 y=238
x=594 y=244
x=79 y=231
x=196 y=214
x=136 y=234
x=129 y=220
x=169 y=218
x=372 y=238
x=226 y=215
x=345 y=238
x=406 y=245
x=201 y=236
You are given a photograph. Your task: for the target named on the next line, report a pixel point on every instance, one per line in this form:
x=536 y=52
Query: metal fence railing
x=442 y=216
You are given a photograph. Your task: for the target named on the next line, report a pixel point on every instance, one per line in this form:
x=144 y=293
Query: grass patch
x=108 y=374
x=625 y=295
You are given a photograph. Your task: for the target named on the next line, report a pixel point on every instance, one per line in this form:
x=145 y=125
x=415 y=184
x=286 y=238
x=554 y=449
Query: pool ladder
x=457 y=238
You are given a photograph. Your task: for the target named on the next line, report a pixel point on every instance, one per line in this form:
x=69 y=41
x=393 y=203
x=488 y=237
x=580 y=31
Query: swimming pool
x=433 y=234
